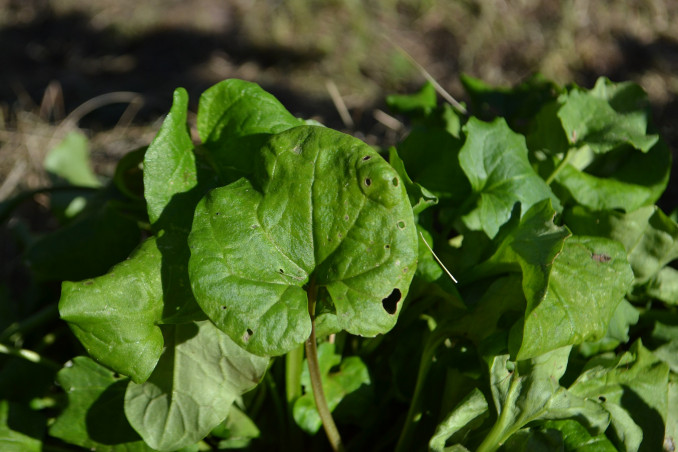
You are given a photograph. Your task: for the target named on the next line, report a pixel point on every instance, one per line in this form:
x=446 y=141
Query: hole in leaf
x=395 y=181
x=366 y=158
x=390 y=303
x=223 y=308
x=282 y=272
x=248 y=334
x=387 y=246
x=346 y=217
x=218 y=213
x=368 y=182
x=602 y=398
x=401 y=224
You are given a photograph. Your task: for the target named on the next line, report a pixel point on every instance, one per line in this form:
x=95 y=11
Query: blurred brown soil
x=68 y=63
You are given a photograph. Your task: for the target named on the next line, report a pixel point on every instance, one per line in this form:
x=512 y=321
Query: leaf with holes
x=324 y=214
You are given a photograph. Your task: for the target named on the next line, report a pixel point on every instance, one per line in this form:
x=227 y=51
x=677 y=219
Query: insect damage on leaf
x=390 y=303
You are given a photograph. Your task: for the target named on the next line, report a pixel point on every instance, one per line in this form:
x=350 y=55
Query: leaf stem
x=316 y=380
x=294 y=363
x=29 y=355
x=565 y=161
x=414 y=410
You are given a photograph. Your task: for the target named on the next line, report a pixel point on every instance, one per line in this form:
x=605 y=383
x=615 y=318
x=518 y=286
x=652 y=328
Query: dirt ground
x=109 y=67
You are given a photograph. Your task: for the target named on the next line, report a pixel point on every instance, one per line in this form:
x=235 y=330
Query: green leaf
x=573 y=300
x=115 y=316
x=170 y=167
x=69 y=160
x=431 y=157
x=94 y=417
x=235 y=119
x=325 y=210
x=617 y=330
x=577 y=439
x=238 y=430
x=649 y=237
x=494 y=159
x=624 y=180
x=351 y=376
x=415 y=105
x=636 y=381
x=590 y=118
x=21 y=430
x=199 y=376
x=470 y=411
x=85 y=248
x=420 y=197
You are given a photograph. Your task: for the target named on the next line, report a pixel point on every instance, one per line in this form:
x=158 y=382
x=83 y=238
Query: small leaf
x=350 y=231
x=115 y=316
x=94 y=417
x=69 y=160
x=200 y=374
x=494 y=159
x=351 y=376
x=416 y=105
x=471 y=410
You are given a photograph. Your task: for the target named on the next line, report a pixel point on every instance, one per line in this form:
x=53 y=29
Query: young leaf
x=416 y=105
x=94 y=417
x=494 y=158
x=325 y=210
x=115 y=316
x=69 y=160
x=351 y=376
x=235 y=118
x=470 y=411
x=200 y=374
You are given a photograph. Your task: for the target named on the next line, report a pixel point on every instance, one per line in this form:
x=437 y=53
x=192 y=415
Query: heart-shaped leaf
x=324 y=213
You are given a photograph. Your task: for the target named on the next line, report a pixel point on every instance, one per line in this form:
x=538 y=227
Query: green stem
x=414 y=411
x=294 y=363
x=29 y=355
x=564 y=162
x=500 y=430
x=316 y=380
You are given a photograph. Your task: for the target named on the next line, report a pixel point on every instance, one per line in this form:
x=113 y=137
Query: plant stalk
x=565 y=161
x=29 y=355
x=294 y=363
x=316 y=380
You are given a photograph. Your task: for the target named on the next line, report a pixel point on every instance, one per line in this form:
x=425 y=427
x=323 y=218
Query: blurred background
x=109 y=67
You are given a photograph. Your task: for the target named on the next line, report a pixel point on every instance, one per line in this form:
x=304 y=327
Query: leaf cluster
x=195 y=276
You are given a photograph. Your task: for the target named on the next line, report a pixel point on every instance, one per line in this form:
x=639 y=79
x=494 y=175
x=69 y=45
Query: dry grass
x=303 y=46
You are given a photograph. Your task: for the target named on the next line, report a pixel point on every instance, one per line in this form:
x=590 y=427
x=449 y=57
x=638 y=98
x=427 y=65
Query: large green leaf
x=235 y=118
x=573 y=300
x=115 y=316
x=200 y=374
x=324 y=213
x=94 y=417
x=494 y=159
x=21 y=430
x=634 y=388
x=577 y=439
x=351 y=375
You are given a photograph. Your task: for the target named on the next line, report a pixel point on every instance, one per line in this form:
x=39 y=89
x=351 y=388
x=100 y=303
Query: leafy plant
x=271 y=239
